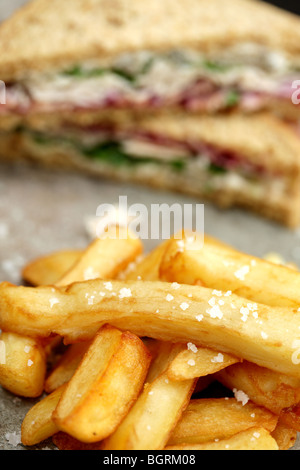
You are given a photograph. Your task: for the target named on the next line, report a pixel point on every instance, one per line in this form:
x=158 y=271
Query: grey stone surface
x=43 y=211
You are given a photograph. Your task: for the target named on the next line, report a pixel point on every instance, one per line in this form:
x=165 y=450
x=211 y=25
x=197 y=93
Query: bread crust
x=50 y=35
x=286 y=210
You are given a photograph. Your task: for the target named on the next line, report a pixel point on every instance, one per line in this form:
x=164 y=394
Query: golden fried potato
x=23 y=365
x=157 y=410
x=65 y=442
x=284 y=436
x=46 y=270
x=158 y=310
x=104 y=386
x=263 y=386
x=193 y=362
x=223 y=268
x=209 y=419
x=104 y=258
x=66 y=366
x=251 y=439
x=38 y=424
x=291 y=417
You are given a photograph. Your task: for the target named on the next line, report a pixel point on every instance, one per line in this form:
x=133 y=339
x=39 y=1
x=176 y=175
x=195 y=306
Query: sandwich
x=192 y=55
x=186 y=95
x=214 y=157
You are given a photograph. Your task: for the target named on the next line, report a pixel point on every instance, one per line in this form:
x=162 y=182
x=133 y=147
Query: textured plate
x=43 y=211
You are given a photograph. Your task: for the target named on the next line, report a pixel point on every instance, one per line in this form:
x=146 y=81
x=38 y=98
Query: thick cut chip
x=156 y=309
x=65 y=442
x=263 y=386
x=284 y=436
x=217 y=266
x=157 y=410
x=38 y=424
x=46 y=270
x=105 y=257
x=22 y=365
x=219 y=418
x=251 y=439
x=66 y=367
x=193 y=362
x=104 y=386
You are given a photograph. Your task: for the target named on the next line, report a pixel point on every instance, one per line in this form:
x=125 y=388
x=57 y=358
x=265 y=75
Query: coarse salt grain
x=218 y=293
x=264 y=335
x=125 y=292
x=53 y=302
x=218 y=358
x=169 y=297
x=241 y=396
x=27 y=349
x=108 y=285
x=13 y=438
x=228 y=293
x=199 y=317
x=242 y=272
x=245 y=312
x=29 y=363
x=215 y=312
x=191 y=362
x=192 y=347
x=90 y=274
x=175 y=285
x=184 y=306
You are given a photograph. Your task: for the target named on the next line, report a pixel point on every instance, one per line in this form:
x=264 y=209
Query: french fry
x=209 y=419
x=223 y=268
x=284 y=436
x=157 y=410
x=291 y=417
x=38 y=424
x=23 y=369
x=148 y=268
x=65 y=442
x=251 y=439
x=179 y=369
x=263 y=386
x=104 y=386
x=66 y=367
x=105 y=257
x=157 y=310
x=192 y=362
x=46 y=270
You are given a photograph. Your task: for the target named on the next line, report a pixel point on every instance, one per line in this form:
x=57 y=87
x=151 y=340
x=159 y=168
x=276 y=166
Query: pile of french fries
x=144 y=338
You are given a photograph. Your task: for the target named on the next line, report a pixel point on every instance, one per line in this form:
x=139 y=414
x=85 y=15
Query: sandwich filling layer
x=148 y=156
x=247 y=76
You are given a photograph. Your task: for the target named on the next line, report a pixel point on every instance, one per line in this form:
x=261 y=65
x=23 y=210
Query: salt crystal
x=191 y=362
x=242 y=272
x=184 y=306
x=192 y=347
x=215 y=312
x=218 y=358
x=13 y=438
x=53 y=301
x=125 y=292
x=241 y=396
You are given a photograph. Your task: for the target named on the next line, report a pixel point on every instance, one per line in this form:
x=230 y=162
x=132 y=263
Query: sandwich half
x=190 y=55
x=251 y=161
